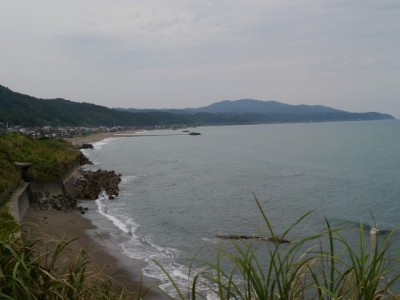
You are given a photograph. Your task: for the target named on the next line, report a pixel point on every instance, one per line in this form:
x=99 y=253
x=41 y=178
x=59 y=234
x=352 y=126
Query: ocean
x=179 y=192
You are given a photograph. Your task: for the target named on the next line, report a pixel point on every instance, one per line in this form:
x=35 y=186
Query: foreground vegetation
x=26 y=273
x=321 y=266
x=49 y=157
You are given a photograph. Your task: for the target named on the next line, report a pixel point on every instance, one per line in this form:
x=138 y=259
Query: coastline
x=57 y=225
x=104 y=255
x=96 y=137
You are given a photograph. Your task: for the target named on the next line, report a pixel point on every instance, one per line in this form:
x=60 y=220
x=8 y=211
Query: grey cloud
x=303 y=50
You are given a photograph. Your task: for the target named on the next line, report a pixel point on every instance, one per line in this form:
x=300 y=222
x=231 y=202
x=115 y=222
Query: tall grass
x=8 y=225
x=325 y=265
x=29 y=271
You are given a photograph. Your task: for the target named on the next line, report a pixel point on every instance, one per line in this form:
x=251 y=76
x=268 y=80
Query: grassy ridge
x=49 y=158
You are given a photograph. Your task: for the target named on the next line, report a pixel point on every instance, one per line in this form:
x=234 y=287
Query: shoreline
x=96 y=137
x=57 y=225
x=105 y=256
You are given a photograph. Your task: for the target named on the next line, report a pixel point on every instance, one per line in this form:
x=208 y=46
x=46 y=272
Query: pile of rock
x=92 y=183
x=83 y=160
x=45 y=201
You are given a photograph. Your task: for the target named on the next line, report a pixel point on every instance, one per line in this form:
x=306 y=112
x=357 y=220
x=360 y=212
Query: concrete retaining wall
x=22 y=196
x=20 y=201
x=51 y=187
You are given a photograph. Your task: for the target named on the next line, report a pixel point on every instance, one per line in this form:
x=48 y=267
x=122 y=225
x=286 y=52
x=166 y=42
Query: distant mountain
x=22 y=110
x=263 y=107
x=257 y=111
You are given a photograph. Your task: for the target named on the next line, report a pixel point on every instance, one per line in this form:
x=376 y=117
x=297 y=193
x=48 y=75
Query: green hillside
x=49 y=158
x=22 y=110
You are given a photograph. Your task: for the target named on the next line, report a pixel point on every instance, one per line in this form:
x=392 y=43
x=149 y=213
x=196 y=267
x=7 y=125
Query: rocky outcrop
x=83 y=160
x=86 y=146
x=92 y=183
x=194 y=133
x=273 y=239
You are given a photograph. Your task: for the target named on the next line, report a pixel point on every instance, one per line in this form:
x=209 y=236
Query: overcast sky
x=191 y=53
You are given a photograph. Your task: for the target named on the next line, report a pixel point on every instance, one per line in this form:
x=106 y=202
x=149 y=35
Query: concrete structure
x=20 y=201
x=25 y=170
x=22 y=194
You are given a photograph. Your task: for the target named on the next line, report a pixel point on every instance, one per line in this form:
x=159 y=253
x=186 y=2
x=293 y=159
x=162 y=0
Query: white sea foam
x=128 y=179
x=99 y=145
x=123 y=223
x=125 y=180
x=210 y=240
x=96 y=146
x=146 y=250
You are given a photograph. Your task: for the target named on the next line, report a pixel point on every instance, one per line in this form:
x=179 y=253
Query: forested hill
x=22 y=110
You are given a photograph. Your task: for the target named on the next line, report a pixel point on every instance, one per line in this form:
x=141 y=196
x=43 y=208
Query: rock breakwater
x=92 y=183
x=45 y=201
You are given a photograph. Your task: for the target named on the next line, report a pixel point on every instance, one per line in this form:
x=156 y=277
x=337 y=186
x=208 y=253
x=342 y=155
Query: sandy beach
x=105 y=257
x=92 y=138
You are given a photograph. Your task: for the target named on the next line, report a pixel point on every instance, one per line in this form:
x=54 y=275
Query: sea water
x=179 y=192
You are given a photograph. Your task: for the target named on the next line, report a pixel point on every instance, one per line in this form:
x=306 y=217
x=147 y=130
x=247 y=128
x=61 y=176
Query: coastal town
x=56 y=132
x=69 y=131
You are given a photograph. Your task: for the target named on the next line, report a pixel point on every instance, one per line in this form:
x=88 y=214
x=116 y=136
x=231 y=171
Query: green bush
x=49 y=158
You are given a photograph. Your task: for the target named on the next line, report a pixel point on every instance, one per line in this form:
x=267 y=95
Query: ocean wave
x=123 y=223
x=125 y=180
x=210 y=240
x=144 y=249
x=96 y=146
x=99 y=145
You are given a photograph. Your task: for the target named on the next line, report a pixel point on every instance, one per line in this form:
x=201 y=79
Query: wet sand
x=53 y=224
